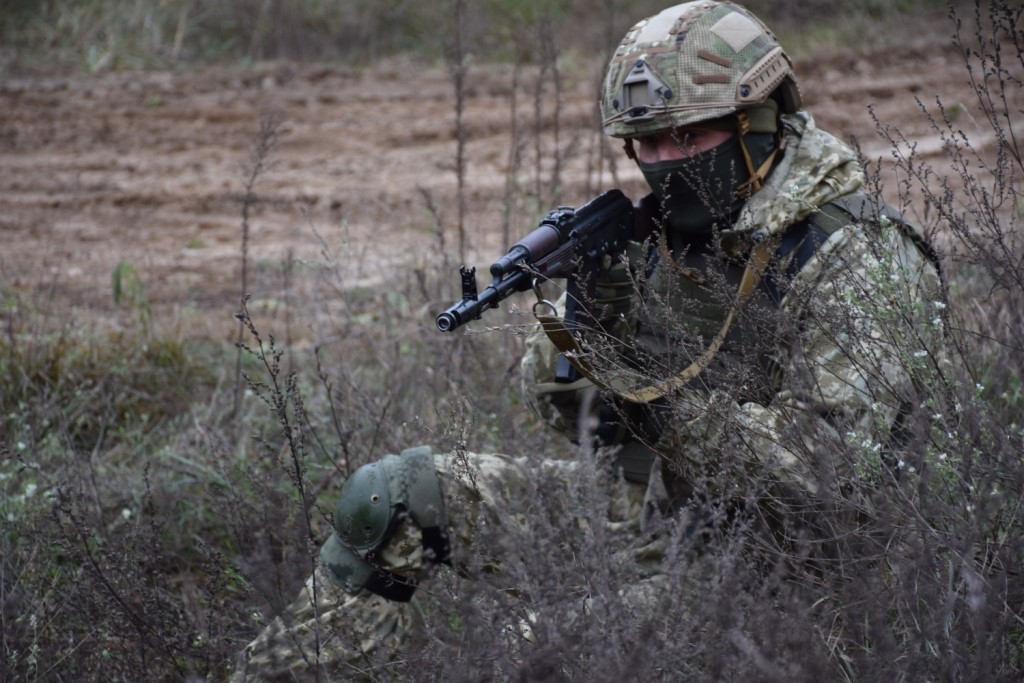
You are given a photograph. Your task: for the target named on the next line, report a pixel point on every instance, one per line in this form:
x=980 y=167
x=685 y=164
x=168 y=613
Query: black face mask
x=698 y=193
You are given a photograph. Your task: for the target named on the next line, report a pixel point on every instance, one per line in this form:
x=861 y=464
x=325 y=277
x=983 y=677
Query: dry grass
x=154 y=518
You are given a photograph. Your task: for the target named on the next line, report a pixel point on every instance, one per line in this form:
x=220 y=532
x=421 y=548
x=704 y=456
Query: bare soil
x=149 y=167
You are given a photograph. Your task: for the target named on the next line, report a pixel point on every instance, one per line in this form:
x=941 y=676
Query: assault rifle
x=568 y=243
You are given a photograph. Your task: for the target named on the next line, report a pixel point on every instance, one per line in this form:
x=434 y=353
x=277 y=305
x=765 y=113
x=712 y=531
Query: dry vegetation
x=163 y=492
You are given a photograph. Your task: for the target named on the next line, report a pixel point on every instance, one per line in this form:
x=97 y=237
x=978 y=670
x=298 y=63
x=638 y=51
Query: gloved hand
x=614 y=291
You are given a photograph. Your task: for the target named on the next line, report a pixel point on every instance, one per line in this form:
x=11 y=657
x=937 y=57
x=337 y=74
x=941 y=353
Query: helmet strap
x=757 y=175
x=630 y=150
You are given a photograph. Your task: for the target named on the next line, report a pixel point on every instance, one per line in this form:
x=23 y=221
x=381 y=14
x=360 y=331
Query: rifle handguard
x=564 y=238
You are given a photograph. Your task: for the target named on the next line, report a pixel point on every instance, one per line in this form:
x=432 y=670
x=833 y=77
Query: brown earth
x=149 y=167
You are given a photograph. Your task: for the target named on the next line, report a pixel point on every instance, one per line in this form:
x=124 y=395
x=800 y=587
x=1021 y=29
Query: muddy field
x=150 y=168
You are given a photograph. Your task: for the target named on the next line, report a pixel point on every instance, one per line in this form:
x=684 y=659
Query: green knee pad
x=374 y=500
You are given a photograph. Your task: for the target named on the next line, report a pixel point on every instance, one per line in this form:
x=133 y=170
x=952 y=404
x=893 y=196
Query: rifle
x=568 y=243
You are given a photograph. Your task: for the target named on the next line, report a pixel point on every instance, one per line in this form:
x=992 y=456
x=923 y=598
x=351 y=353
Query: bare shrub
x=143 y=539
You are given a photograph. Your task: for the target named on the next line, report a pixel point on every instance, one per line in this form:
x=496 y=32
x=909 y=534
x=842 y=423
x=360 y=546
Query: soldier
x=763 y=314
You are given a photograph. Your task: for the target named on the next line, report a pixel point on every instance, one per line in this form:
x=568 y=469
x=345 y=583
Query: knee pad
x=374 y=500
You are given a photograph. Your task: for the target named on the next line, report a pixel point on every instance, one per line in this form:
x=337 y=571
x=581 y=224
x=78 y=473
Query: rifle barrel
x=464 y=310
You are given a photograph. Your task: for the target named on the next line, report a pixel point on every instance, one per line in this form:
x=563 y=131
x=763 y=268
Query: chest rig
x=688 y=294
x=678 y=312
x=691 y=289
x=692 y=295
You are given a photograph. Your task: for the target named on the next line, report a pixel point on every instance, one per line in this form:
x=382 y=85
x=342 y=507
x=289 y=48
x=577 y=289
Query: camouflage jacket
x=837 y=357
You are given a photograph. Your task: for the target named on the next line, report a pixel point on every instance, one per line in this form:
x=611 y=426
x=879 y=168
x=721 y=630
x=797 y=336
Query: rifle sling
x=569 y=345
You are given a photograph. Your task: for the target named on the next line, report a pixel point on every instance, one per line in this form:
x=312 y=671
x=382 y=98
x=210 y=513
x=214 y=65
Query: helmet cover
x=691 y=63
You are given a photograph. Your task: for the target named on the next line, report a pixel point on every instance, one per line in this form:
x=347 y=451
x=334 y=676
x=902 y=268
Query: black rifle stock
x=568 y=243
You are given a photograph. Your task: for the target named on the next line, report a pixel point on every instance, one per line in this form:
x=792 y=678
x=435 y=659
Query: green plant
x=128 y=288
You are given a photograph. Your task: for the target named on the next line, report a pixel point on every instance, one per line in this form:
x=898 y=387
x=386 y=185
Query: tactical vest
x=683 y=305
x=684 y=302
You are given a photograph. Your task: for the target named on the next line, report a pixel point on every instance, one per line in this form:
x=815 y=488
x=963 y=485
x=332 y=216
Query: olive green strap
x=569 y=345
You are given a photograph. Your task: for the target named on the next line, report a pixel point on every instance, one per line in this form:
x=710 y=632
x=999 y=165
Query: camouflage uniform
x=865 y=306
x=327 y=626
x=835 y=363
x=840 y=387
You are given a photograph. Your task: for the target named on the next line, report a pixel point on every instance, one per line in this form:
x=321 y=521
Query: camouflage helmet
x=690 y=63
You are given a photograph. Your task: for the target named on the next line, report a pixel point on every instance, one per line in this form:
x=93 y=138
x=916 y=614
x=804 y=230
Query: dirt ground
x=149 y=167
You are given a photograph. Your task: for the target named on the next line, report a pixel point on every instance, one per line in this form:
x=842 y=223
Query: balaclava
x=706 y=191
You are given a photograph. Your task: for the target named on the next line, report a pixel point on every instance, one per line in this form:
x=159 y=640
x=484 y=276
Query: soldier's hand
x=614 y=290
